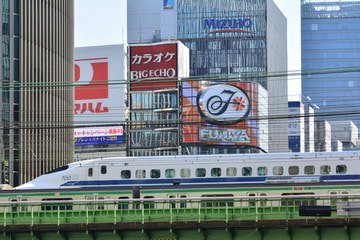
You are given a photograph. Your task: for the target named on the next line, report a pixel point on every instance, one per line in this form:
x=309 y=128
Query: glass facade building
x=331 y=57
x=229 y=40
x=36 y=99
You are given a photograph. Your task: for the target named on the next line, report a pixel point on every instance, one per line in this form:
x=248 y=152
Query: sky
x=97 y=24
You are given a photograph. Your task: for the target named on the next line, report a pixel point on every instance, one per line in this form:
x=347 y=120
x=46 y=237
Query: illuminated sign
x=228 y=25
x=223 y=104
x=99 y=135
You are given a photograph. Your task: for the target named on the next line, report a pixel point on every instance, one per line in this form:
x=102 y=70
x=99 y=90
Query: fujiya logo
x=223 y=104
x=228 y=25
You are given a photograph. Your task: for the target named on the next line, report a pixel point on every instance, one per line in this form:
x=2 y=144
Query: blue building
x=331 y=57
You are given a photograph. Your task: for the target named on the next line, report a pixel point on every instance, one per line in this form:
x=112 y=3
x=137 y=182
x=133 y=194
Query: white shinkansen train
x=194 y=176
x=322 y=168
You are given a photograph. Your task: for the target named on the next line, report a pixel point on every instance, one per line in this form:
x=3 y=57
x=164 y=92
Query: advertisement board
x=296 y=127
x=99 y=135
x=153 y=66
x=220 y=113
x=100 y=83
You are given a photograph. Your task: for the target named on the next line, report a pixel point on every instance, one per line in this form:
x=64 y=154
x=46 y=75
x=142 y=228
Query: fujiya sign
x=223 y=104
x=223 y=135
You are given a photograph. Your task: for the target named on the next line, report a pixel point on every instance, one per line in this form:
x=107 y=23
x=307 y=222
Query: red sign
x=153 y=66
x=91 y=79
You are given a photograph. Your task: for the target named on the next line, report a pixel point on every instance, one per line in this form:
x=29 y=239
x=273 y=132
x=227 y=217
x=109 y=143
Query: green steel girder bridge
x=258 y=218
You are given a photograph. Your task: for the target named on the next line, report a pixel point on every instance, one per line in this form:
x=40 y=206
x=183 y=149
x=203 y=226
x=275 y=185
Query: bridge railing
x=165 y=210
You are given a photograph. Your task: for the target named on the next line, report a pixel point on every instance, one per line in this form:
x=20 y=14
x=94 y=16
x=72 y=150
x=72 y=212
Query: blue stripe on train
x=172 y=181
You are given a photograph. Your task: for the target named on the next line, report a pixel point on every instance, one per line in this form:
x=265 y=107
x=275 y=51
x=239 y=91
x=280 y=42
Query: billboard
x=98 y=135
x=220 y=113
x=153 y=66
x=296 y=127
x=100 y=74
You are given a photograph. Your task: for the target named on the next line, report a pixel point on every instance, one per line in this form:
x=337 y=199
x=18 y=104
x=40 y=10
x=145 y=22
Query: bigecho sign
x=153 y=66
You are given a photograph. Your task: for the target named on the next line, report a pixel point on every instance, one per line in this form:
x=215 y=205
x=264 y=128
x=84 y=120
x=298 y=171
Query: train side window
x=278 y=170
x=309 y=170
x=246 y=171
x=170 y=173
x=183 y=203
x=155 y=173
x=341 y=169
x=90 y=172
x=231 y=171
x=125 y=174
x=185 y=172
x=216 y=172
x=103 y=169
x=140 y=173
x=325 y=169
x=294 y=170
x=47 y=205
x=150 y=204
x=262 y=171
x=123 y=205
x=200 y=172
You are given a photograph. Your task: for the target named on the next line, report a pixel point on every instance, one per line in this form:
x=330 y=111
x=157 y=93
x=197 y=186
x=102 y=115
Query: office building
x=331 y=58
x=228 y=41
x=36 y=133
